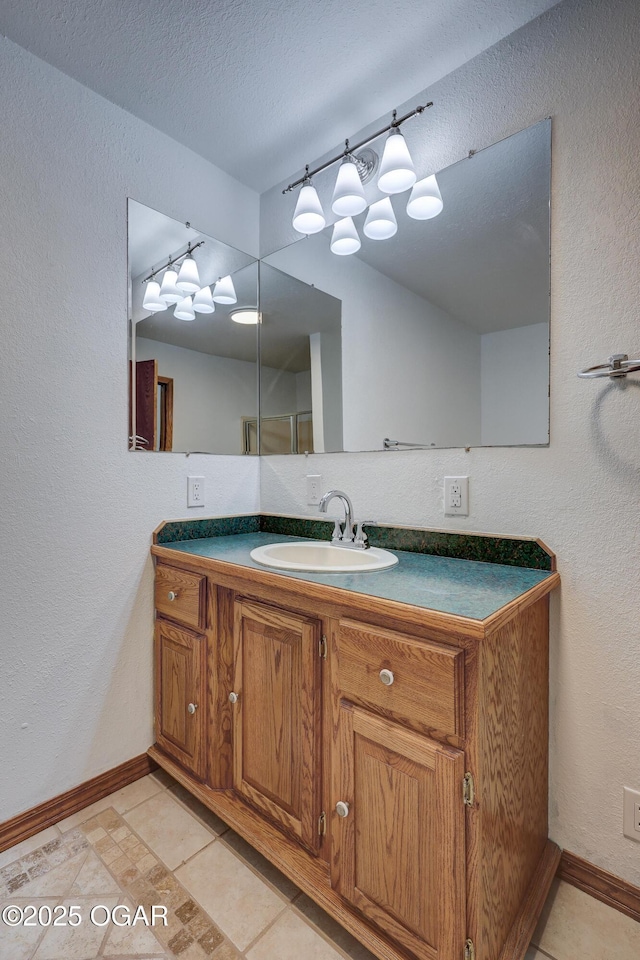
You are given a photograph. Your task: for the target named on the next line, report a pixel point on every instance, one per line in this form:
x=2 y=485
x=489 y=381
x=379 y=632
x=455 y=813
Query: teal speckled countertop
x=466 y=588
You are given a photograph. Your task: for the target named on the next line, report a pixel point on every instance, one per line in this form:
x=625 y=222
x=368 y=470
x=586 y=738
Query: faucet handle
x=361 y=539
x=337 y=529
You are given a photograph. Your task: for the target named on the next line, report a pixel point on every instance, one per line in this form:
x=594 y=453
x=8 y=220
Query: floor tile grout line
x=167 y=950
x=322 y=933
x=195 y=816
x=11 y=862
x=268 y=927
x=38 y=941
x=257 y=873
x=287 y=903
x=60 y=898
x=543 y=952
x=124 y=895
x=185 y=806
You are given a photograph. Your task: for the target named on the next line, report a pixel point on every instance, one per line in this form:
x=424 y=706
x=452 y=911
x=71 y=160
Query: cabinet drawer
x=181 y=595
x=413 y=681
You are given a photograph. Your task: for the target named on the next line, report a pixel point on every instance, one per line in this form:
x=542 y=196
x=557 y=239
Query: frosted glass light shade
x=203 y=302
x=168 y=291
x=152 y=301
x=188 y=280
x=348 y=193
x=246 y=315
x=224 y=291
x=425 y=201
x=397 y=172
x=345 y=239
x=184 y=310
x=308 y=216
x=381 y=221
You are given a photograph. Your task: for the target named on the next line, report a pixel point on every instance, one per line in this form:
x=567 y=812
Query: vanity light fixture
x=308 y=216
x=246 y=315
x=188 y=278
x=152 y=300
x=224 y=291
x=345 y=239
x=184 y=310
x=381 y=221
x=203 y=302
x=169 y=292
x=425 y=201
x=397 y=173
x=348 y=193
x=158 y=297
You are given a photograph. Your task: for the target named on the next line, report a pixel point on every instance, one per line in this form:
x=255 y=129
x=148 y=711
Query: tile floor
x=152 y=843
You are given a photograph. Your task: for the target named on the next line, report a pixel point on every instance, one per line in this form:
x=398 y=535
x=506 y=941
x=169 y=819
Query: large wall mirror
x=194 y=384
x=436 y=337
x=445 y=326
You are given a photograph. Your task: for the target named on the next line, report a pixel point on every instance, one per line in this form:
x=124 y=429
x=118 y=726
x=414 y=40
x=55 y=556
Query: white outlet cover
x=195 y=491
x=456 y=496
x=631 y=813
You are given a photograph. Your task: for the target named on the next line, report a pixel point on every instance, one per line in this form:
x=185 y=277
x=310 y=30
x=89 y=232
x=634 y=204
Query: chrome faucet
x=347 y=533
x=342 y=533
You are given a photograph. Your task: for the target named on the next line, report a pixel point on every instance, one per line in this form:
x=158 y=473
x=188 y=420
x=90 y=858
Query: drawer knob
x=173 y=595
x=192 y=708
x=387 y=677
x=342 y=808
x=233 y=698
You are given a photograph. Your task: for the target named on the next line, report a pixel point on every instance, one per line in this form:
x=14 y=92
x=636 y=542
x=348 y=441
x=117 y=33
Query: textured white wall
x=77 y=508
x=514 y=385
x=578 y=63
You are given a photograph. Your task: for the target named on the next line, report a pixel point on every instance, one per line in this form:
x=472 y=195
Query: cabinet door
x=397 y=832
x=276 y=718
x=179 y=695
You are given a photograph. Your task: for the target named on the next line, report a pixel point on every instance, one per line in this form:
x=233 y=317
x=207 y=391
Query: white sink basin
x=322 y=557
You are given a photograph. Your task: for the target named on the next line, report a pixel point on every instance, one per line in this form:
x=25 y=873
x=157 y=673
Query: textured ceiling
x=260 y=88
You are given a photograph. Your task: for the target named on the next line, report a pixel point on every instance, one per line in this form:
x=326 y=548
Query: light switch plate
x=313 y=489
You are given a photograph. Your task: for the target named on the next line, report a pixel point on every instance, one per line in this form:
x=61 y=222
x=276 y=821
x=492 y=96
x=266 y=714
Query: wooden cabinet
x=276 y=716
x=392 y=761
x=409 y=680
x=180 y=696
x=398 y=833
x=181 y=596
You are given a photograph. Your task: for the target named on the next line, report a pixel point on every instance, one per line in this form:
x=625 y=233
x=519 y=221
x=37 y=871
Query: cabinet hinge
x=468 y=789
x=469 y=950
x=322 y=824
x=322 y=647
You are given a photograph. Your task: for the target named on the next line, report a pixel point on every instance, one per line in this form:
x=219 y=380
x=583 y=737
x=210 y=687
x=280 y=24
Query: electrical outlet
x=456 y=496
x=195 y=491
x=313 y=489
x=631 y=813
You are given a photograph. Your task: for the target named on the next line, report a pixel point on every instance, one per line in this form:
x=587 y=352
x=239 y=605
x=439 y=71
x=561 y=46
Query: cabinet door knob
x=192 y=708
x=173 y=595
x=387 y=677
x=342 y=808
x=233 y=698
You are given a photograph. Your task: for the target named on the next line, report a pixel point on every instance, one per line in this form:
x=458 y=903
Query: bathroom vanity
x=380 y=737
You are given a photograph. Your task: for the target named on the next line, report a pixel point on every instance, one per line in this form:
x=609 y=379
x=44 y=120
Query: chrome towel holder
x=618 y=365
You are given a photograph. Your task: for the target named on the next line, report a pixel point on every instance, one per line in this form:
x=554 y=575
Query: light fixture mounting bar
x=396 y=122
x=173 y=260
